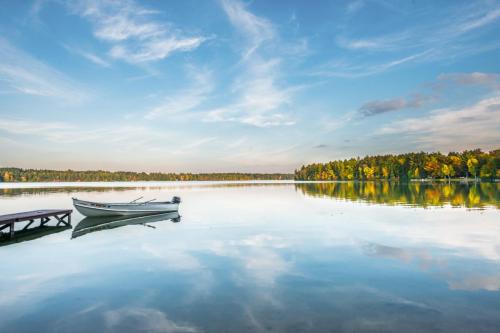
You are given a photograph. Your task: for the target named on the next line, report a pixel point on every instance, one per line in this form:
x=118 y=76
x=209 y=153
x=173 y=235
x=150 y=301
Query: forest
x=35 y=175
x=471 y=164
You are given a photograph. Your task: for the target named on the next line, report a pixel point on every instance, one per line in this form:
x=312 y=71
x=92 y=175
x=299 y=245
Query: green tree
x=488 y=170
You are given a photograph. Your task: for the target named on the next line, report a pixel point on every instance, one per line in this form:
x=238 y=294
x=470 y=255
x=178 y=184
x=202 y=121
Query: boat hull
x=93 y=209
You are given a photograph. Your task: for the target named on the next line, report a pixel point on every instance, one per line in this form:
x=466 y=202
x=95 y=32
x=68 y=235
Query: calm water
x=332 y=257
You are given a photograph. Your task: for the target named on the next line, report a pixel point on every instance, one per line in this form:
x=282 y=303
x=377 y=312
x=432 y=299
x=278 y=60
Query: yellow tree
x=368 y=172
x=385 y=172
x=472 y=166
x=447 y=171
x=416 y=173
x=7 y=176
x=432 y=167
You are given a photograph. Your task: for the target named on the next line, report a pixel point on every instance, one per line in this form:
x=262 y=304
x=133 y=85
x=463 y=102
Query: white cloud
x=254 y=28
x=259 y=101
x=387 y=42
x=95 y=59
x=187 y=99
x=134 y=35
x=155 y=49
x=349 y=69
x=265 y=156
x=15 y=126
x=61 y=132
x=355 y=6
x=25 y=74
x=198 y=143
x=258 y=98
x=434 y=35
x=88 y=55
x=457 y=33
x=477 y=21
x=477 y=125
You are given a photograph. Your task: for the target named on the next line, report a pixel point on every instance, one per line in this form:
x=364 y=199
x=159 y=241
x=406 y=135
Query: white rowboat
x=96 y=209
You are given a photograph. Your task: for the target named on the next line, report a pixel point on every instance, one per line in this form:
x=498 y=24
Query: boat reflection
x=91 y=224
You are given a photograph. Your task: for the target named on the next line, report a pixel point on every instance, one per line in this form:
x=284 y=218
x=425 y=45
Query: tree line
x=467 y=164
x=36 y=175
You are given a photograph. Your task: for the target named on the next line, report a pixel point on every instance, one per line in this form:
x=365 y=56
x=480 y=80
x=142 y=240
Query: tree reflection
x=413 y=194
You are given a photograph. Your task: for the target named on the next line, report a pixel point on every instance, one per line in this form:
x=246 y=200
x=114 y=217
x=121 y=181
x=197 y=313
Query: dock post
x=11 y=234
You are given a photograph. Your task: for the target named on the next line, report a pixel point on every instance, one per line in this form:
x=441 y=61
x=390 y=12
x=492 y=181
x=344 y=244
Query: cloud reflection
x=131 y=319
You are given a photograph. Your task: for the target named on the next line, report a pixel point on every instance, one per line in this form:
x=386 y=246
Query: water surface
x=260 y=257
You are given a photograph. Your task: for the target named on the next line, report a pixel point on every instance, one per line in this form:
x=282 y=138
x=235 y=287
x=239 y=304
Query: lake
x=259 y=257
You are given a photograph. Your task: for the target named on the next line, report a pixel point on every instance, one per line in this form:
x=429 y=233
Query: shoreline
x=139 y=183
x=182 y=183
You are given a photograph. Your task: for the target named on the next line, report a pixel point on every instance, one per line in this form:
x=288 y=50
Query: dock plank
x=35 y=214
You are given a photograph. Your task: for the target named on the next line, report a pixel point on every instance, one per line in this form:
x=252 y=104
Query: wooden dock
x=62 y=216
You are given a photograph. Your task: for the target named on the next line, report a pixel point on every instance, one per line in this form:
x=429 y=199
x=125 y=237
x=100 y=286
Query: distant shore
x=132 y=184
x=19 y=175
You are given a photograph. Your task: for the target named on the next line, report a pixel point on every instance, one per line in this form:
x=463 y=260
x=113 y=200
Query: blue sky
x=227 y=85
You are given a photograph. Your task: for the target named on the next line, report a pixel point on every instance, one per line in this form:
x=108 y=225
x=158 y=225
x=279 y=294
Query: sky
x=245 y=86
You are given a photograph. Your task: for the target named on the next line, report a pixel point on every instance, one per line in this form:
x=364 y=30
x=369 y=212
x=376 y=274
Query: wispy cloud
x=376 y=107
x=355 y=6
x=477 y=20
x=134 y=35
x=457 y=32
x=88 y=55
x=476 y=125
x=329 y=123
x=68 y=133
x=348 y=69
x=198 y=143
x=476 y=78
x=95 y=59
x=16 y=126
x=24 y=74
x=264 y=156
x=187 y=99
x=385 y=43
x=433 y=35
x=255 y=29
x=259 y=100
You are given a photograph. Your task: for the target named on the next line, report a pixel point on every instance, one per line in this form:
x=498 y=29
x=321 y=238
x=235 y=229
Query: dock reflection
x=92 y=224
x=31 y=234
